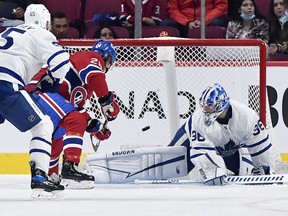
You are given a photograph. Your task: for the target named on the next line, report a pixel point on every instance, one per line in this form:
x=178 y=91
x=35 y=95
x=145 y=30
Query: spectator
x=186 y=14
x=247 y=22
x=105 y=32
x=12 y=11
x=59 y=25
x=278 y=29
x=150 y=13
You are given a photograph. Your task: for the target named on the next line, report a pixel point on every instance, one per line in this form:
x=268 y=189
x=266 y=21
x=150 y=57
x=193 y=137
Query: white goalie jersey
x=31 y=47
x=244 y=130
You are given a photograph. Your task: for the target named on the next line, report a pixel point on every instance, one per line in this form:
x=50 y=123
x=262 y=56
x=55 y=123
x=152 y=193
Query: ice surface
x=146 y=200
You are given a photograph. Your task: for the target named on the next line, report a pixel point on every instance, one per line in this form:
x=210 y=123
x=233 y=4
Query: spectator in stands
x=186 y=14
x=12 y=11
x=59 y=25
x=247 y=23
x=150 y=13
x=105 y=32
x=278 y=28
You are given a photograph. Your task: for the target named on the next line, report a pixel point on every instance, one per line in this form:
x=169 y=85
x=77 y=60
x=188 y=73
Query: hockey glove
x=261 y=170
x=98 y=129
x=109 y=106
x=102 y=135
x=94 y=125
x=47 y=83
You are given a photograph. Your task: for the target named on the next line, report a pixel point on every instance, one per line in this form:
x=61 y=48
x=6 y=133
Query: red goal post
x=158 y=81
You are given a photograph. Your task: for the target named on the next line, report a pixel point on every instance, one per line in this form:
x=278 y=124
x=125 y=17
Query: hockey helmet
x=105 y=49
x=39 y=15
x=213 y=101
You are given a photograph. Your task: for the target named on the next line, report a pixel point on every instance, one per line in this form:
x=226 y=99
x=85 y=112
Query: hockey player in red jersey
x=86 y=76
x=151 y=13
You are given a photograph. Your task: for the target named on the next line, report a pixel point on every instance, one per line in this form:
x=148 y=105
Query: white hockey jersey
x=25 y=49
x=244 y=129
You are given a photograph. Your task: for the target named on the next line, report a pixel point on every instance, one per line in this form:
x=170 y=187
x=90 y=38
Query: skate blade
x=72 y=184
x=41 y=194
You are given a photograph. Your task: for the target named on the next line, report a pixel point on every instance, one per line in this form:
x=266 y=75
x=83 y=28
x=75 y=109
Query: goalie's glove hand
x=109 y=106
x=261 y=170
x=47 y=83
x=216 y=181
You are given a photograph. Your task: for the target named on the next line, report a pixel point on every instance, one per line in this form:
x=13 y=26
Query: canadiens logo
x=78 y=95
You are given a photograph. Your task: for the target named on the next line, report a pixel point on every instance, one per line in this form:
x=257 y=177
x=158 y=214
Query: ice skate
x=74 y=179
x=43 y=187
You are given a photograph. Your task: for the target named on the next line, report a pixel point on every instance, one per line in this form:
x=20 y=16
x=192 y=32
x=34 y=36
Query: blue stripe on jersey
x=13 y=74
x=190 y=125
x=73 y=79
x=39 y=150
x=72 y=140
x=86 y=71
x=258 y=143
x=260 y=152
x=41 y=139
x=205 y=148
x=247 y=161
x=181 y=132
x=59 y=66
x=54 y=55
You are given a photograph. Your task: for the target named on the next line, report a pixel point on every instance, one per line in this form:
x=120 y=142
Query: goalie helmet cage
x=158 y=83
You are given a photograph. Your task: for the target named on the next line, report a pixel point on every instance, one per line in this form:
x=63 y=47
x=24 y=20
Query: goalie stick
x=237 y=180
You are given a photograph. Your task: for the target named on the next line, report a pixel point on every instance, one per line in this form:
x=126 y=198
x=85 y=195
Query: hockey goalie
x=223 y=137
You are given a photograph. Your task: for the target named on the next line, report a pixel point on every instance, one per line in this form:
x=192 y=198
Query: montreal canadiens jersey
x=86 y=75
x=244 y=129
x=25 y=49
x=150 y=9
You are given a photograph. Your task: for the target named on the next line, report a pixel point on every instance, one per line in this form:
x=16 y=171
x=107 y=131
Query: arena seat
x=263 y=7
x=211 y=32
x=163 y=9
x=93 y=7
x=73 y=33
x=121 y=32
x=154 y=31
x=71 y=8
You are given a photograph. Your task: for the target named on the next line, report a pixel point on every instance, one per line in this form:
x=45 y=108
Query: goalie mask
x=107 y=51
x=213 y=102
x=39 y=15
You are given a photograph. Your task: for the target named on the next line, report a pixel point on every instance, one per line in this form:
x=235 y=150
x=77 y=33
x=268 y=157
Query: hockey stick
x=238 y=180
x=96 y=142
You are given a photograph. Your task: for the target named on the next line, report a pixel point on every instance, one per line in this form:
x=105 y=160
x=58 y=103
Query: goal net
x=158 y=83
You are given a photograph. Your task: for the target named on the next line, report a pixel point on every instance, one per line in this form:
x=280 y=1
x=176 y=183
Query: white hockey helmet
x=39 y=15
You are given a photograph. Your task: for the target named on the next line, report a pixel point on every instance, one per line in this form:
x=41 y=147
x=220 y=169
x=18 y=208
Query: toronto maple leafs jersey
x=244 y=129
x=25 y=49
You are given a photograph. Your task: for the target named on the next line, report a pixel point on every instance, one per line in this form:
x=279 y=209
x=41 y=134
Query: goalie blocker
x=143 y=163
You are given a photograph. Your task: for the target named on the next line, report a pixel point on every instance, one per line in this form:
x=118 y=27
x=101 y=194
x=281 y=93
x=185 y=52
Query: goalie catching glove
x=48 y=83
x=98 y=129
x=109 y=106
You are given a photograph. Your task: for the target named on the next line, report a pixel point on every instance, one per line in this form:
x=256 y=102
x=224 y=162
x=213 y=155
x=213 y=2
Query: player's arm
x=53 y=55
x=259 y=145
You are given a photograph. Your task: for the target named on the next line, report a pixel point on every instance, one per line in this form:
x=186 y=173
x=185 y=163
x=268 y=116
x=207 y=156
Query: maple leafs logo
x=229 y=149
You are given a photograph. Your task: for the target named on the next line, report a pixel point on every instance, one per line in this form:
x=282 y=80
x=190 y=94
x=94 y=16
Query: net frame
x=80 y=44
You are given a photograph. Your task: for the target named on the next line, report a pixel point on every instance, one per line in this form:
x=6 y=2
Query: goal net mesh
x=158 y=83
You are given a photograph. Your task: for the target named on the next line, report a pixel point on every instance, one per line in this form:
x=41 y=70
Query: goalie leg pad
x=144 y=163
x=210 y=167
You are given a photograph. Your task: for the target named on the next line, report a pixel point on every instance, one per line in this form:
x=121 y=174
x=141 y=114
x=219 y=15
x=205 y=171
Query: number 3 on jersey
x=195 y=136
